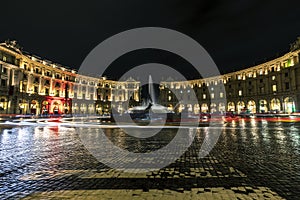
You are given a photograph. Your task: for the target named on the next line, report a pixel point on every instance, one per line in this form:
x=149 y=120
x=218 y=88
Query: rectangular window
x=204 y=96
x=278 y=68
x=273 y=78
x=274 y=88
x=240 y=92
x=221 y=94
x=3 y=82
x=287 y=85
x=212 y=95
x=57 y=93
x=4 y=70
x=286 y=74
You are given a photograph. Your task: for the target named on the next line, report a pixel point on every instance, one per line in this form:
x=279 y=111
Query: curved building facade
x=32 y=85
x=270 y=86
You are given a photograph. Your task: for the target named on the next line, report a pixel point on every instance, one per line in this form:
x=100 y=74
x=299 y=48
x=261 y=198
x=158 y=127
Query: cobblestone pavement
x=252 y=160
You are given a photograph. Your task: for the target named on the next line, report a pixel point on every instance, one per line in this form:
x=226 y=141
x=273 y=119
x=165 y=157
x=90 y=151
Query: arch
x=275 y=105
x=181 y=107
x=263 y=106
x=196 y=108
x=91 y=109
x=56 y=107
x=222 y=107
x=3 y=104
x=289 y=105
x=23 y=106
x=34 y=107
x=251 y=106
x=240 y=106
x=189 y=108
x=213 y=108
x=83 y=108
x=231 y=106
x=204 y=107
x=75 y=108
x=98 y=109
x=45 y=107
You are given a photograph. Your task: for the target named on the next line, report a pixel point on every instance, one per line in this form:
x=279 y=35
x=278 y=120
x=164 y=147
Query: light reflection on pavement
x=252 y=159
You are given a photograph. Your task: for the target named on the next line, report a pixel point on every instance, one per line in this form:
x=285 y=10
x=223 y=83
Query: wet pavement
x=251 y=160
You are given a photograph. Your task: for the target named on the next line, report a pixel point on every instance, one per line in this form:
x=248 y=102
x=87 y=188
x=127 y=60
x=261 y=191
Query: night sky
x=236 y=34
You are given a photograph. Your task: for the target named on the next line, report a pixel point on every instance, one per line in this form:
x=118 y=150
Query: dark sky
x=235 y=33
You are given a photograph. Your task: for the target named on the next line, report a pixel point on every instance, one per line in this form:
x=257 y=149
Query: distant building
x=271 y=86
x=31 y=85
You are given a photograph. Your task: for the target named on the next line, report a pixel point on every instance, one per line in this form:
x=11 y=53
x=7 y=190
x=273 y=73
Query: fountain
x=151 y=104
x=153 y=113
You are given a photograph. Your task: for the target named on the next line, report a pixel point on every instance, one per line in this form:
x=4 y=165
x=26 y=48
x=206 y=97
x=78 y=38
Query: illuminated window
x=261 y=72
x=4 y=58
x=273 y=78
x=239 y=77
x=204 y=96
x=212 y=95
x=221 y=94
x=274 y=88
x=4 y=70
x=278 y=68
x=240 y=93
x=266 y=72
x=169 y=98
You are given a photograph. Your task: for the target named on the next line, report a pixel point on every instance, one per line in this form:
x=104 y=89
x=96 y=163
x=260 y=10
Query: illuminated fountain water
x=151 y=103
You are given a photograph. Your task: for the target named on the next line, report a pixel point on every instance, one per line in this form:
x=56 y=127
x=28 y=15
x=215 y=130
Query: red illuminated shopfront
x=56 y=105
